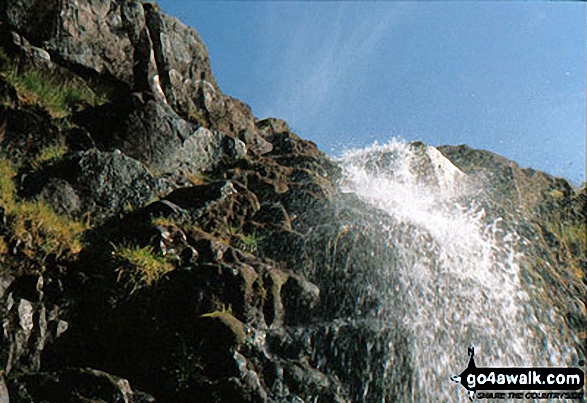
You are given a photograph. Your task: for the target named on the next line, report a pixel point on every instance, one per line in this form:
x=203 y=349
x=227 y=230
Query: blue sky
x=506 y=77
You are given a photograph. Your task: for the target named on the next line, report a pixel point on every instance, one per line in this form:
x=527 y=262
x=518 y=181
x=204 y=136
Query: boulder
x=61 y=196
x=154 y=134
x=207 y=151
x=101 y=183
x=256 y=144
x=140 y=127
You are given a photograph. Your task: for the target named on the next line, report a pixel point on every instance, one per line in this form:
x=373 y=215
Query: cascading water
x=442 y=274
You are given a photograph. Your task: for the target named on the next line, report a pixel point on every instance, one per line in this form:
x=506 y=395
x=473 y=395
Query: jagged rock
x=274 y=215
x=31 y=55
x=256 y=144
x=111 y=181
x=28 y=324
x=197 y=197
x=78 y=139
x=5 y=281
x=101 y=183
x=268 y=291
x=141 y=128
x=548 y=215
x=270 y=126
x=207 y=151
x=160 y=138
x=87 y=33
x=74 y=385
x=133 y=42
x=528 y=192
x=230 y=331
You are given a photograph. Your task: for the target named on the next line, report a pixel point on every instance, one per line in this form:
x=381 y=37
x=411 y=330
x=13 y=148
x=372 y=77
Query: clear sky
x=508 y=77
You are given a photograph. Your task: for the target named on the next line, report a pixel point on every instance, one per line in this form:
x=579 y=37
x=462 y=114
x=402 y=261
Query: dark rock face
x=90 y=34
x=221 y=260
x=143 y=129
x=26 y=131
x=100 y=183
x=75 y=386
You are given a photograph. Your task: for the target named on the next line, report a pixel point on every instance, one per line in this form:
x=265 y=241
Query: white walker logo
x=508 y=379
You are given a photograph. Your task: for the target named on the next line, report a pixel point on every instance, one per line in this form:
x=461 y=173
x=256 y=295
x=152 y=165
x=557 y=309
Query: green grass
x=250 y=241
x=222 y=310
x=34 y=224
x=140 y=266
x=44 y=230
x=37 y=87
x=569 y=253
x=7 y=186
x=48 y=155
x=163 y=221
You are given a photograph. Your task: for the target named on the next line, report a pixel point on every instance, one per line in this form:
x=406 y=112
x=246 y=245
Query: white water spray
x=459 y=274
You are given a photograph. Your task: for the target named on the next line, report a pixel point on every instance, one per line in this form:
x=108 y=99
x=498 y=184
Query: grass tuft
x=37 y=87
x=34 y=225
x=49 y=155
x=139 y=267
x=40 y=228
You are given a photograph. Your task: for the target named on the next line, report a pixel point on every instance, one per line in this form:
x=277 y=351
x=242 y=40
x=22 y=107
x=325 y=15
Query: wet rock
x=270 y=298
x=273 y=309
x=273 y=214
x=229 y=331
x=299 y=298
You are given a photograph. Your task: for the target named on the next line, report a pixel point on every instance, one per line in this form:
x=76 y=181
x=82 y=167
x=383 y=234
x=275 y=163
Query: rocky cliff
x=160 y=243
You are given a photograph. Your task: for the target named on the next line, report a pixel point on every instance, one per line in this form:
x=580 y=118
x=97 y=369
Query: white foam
x=460 y=275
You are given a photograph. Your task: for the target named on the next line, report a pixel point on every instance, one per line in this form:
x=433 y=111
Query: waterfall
x=439 y=270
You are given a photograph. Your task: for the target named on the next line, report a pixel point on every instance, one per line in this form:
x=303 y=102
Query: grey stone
x=26 y=329
x=206 y=151
x=61 y=195
x=109 y=182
